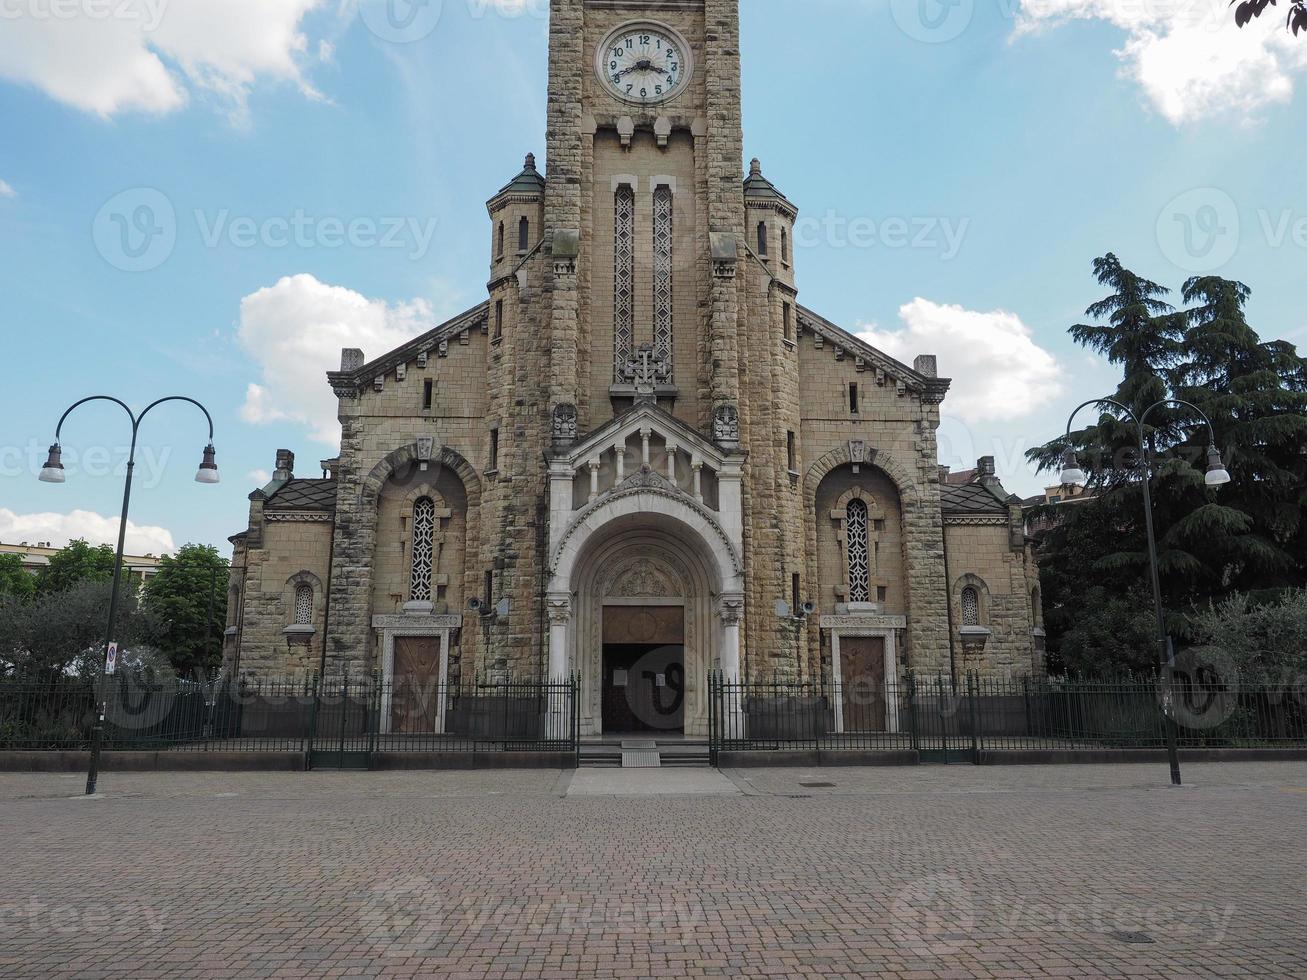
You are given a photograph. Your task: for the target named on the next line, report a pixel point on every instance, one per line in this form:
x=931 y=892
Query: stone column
x=559 y=715
x=731 y=610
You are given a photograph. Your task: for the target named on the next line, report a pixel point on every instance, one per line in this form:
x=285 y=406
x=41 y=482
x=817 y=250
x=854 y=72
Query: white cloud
x=59 y=529
x=1187 y=55
x=149 y=55
x=295 y=331
x=6 y=190
x=999 y=373
x=261 y=477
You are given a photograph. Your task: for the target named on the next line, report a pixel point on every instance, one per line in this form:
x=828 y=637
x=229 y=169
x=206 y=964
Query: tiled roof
x=974 y=498
x=304 y=495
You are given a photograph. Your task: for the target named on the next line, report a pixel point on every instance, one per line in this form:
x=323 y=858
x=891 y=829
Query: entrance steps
x=643 y=751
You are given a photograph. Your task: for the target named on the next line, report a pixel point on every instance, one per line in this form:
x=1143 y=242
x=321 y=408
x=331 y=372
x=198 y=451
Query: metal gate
x=944 y=720
x=343 y=728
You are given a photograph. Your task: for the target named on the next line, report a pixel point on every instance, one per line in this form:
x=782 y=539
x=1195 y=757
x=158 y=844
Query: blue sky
x=315 y=182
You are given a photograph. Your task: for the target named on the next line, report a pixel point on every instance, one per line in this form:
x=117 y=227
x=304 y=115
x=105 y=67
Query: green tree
x=1256 y=395
x=1265 y=642
x=1249 y=535
x=178 y=599
x=15 y=580
x=63 y=632
x=1296 y=19
x=78 y=562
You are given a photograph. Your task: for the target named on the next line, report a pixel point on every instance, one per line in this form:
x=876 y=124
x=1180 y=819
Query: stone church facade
x=641 y=443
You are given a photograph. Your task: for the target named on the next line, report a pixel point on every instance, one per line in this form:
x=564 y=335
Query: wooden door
x=415 y=695
x=862 y=679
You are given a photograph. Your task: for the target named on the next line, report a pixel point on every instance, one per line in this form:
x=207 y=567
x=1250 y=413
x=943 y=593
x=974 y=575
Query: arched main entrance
x=645 y=599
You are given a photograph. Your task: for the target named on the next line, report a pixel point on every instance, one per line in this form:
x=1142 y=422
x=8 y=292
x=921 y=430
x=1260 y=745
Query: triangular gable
x=348 y=384
x=657 y=420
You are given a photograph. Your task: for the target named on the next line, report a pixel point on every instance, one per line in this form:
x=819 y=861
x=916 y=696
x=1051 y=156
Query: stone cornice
x=349 y=384
x=931 y=390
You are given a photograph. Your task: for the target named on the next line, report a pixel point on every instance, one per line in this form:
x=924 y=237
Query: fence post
x=306 y=743
x=374 y=716
x=574 y=692
x=913 y=734
x=973 y=683
x=344 y=719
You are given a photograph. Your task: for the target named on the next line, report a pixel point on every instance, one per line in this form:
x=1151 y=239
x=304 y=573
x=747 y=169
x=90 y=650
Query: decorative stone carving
x=732 y=610
x=560 y=610
x=565 y=424
x=351 y=359
x=860 y=455
x=646 y=370
x=643 y=578
x=426 y=446
x=726 y=426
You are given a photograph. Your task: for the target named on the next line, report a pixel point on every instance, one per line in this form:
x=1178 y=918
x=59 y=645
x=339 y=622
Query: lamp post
x=53 y=472
x=1217 y=475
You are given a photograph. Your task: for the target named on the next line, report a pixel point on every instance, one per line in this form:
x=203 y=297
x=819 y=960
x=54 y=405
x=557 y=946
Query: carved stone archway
x=653 y=549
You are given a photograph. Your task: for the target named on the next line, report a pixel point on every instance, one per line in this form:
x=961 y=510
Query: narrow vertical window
x=494 y=449
x=523 y=234
x=662 y=272
x=303 y=604
x=490 y=590
x=499 y=247
x=424 y=531
x=790 y=451
x=970 y=606
x=787 y=318
x=762 y=238
x=785 y=247
x=853 y=397
x=499 y=319
x=624 y=279
x=428 y=392
x=855 y=531
x=796 y=590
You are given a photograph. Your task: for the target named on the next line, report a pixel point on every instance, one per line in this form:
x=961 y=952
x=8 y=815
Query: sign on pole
x=111 y=660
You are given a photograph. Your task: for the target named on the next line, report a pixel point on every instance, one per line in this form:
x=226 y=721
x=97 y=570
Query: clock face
x=644 y=63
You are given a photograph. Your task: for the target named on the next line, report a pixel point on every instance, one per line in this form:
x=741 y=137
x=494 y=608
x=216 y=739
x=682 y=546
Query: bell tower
x=644 y=213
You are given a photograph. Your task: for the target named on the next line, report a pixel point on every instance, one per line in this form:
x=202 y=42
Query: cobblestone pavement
x=923 y=872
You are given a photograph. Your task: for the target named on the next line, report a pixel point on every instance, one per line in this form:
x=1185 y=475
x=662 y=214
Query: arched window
x=523 y=234
x=623 y=278
x=424 y=529
x=762 y=238
x=855 y=529
x=303 y=604
x=970 y=606
x=499 y=250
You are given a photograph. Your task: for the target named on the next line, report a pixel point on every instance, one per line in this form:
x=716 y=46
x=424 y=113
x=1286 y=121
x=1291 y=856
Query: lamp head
x=208 y=471
x=1217 y=474
x=1072 y=474
x=53 y=471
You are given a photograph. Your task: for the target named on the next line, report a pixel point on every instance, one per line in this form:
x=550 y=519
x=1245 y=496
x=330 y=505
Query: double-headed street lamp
x=1217 y=475
x=53 y=472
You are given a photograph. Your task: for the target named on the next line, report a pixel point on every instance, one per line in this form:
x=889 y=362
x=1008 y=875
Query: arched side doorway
x=646 y=597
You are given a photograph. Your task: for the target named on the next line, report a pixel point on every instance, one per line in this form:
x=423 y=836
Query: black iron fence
x=944 y=721
x=336 y=721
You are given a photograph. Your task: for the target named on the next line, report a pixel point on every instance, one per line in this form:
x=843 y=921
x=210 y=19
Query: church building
x=640 y=445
